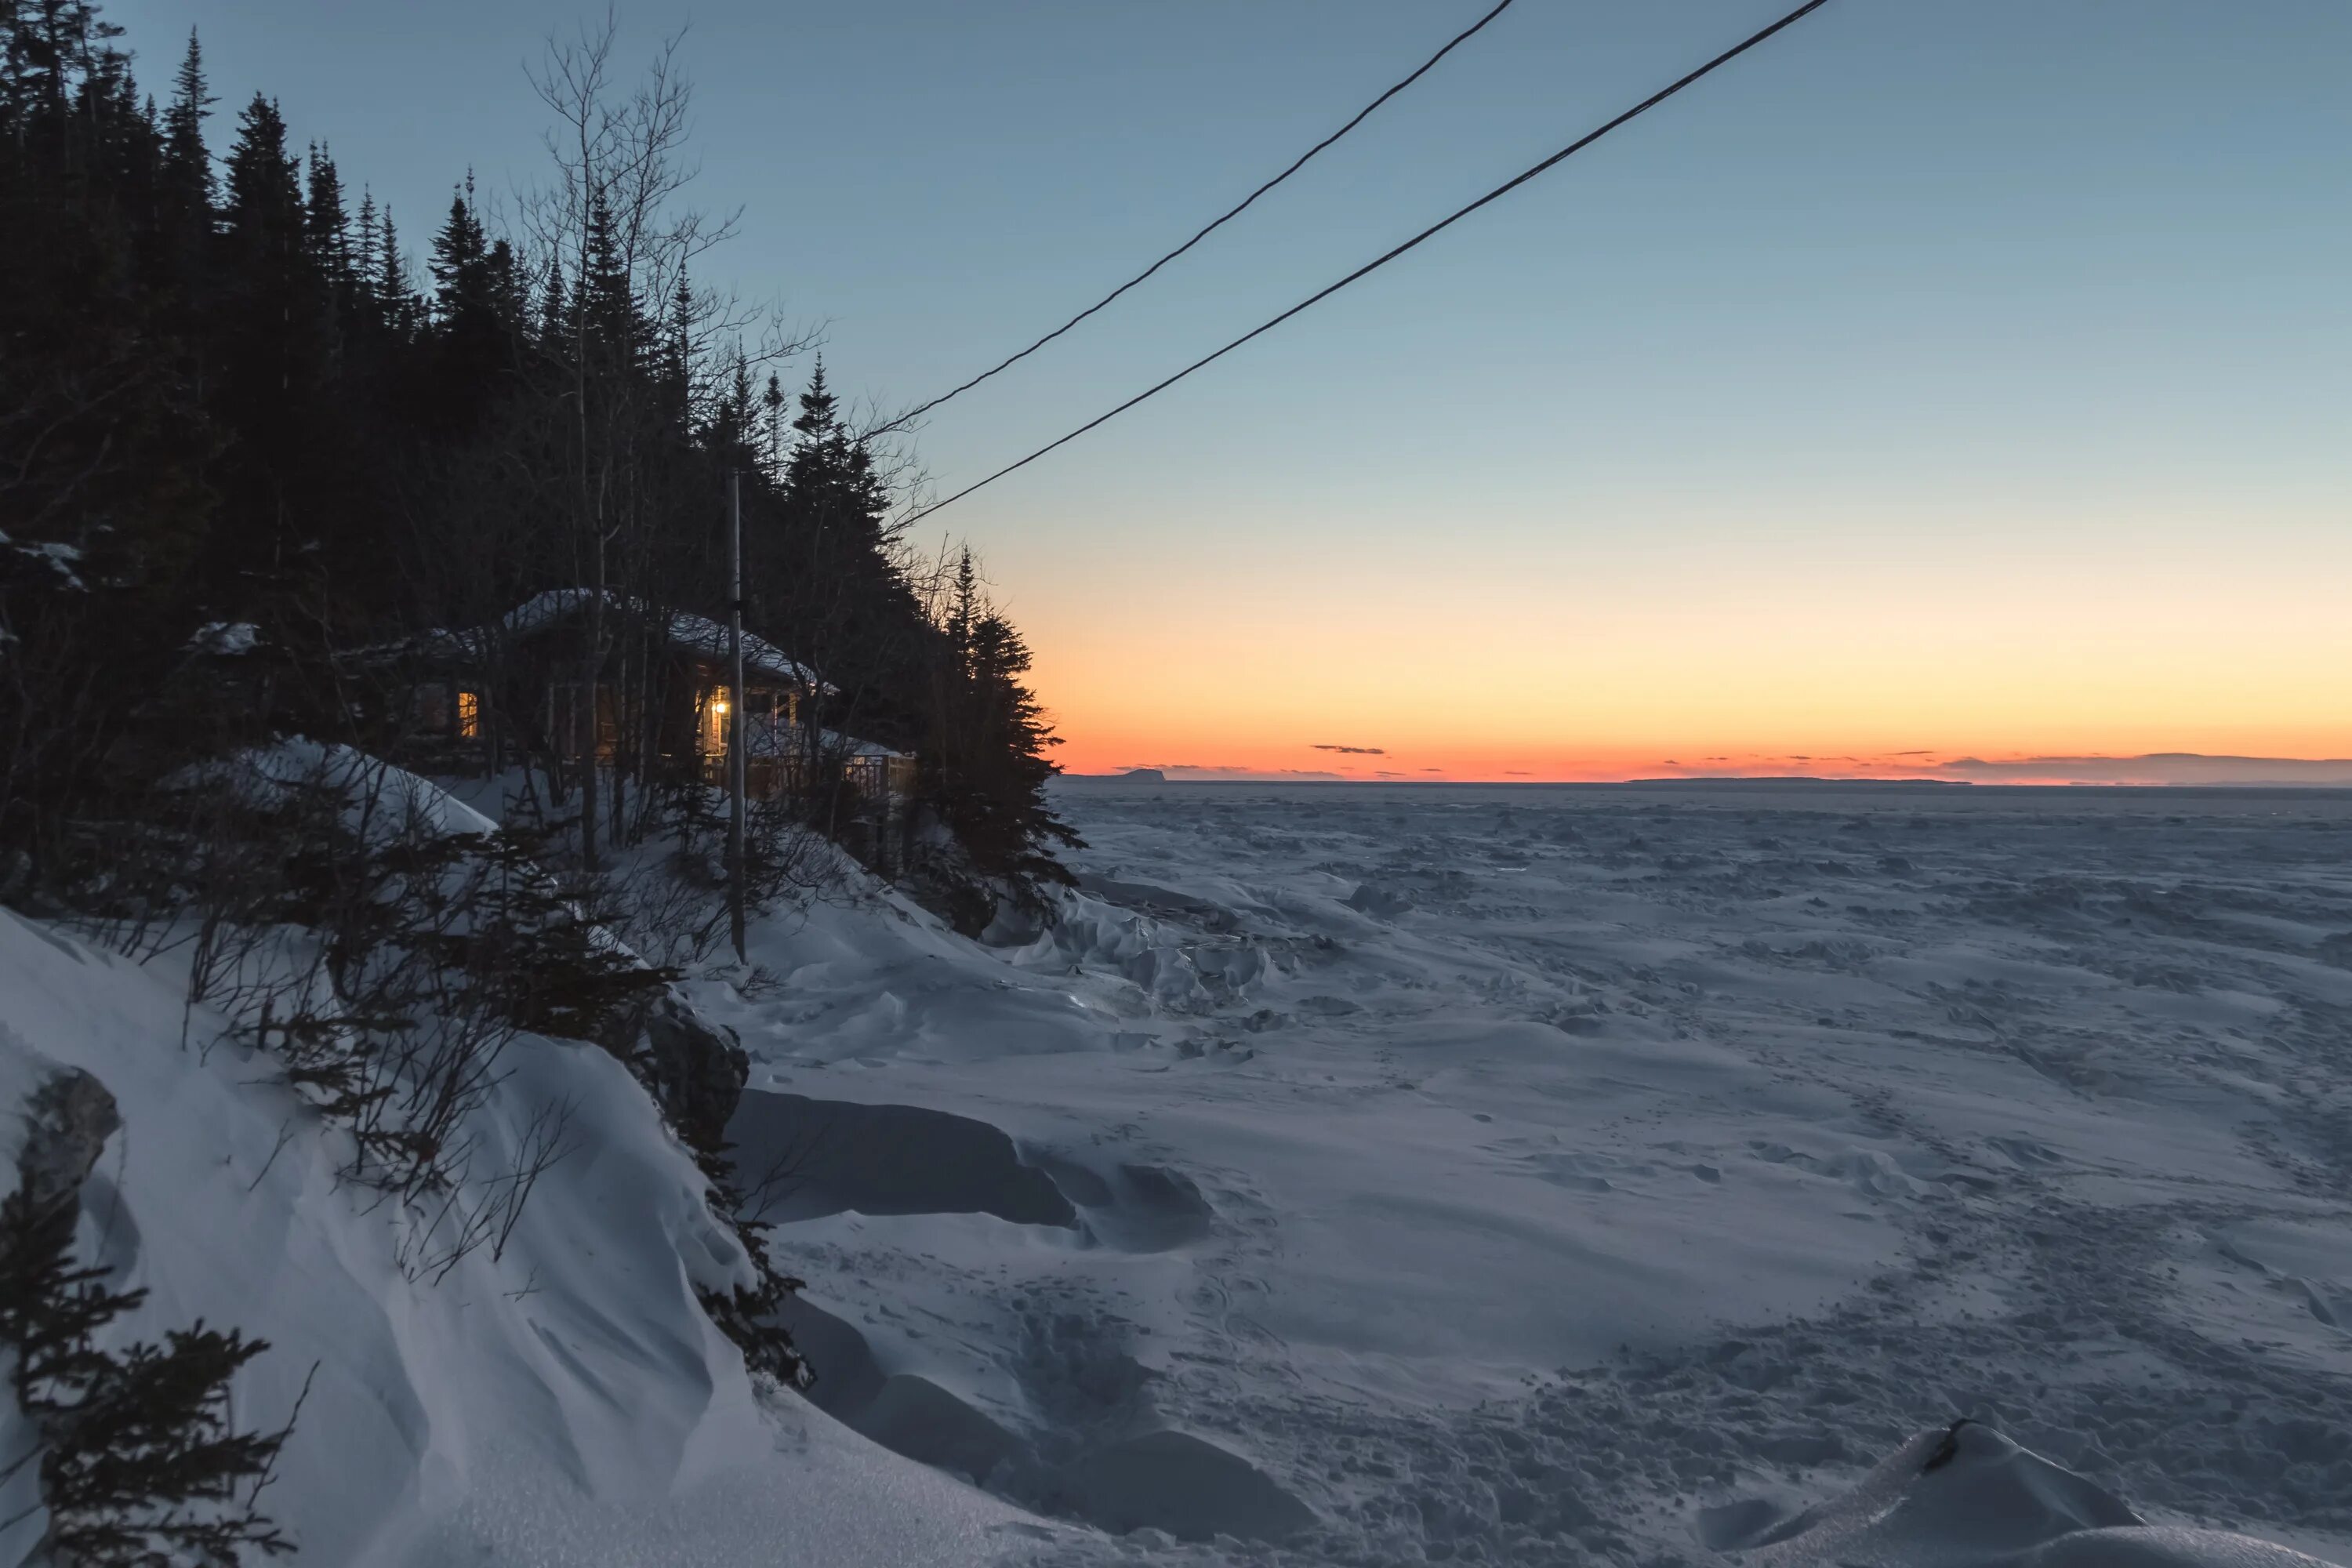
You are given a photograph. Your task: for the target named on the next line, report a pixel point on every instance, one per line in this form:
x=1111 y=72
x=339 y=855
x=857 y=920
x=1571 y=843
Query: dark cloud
x=1354 y=750
x=1177 y=771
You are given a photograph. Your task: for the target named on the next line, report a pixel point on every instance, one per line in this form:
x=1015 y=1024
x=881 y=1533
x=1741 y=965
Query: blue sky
x=2030 y=316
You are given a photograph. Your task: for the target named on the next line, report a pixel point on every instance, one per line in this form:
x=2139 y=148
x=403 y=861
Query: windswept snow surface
x=568 y=1403
x=1370 y=1176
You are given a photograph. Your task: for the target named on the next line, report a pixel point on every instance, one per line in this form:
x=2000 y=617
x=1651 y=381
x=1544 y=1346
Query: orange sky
x=1754 y=654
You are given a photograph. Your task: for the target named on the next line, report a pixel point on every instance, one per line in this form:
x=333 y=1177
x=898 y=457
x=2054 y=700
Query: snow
x=60 y=558
x=696 y=634
x=770 y=737
x=1541 y=1175
x=566 y=1403
x=226 y=639
x=1375 y=1175
x=383 y=800
x=1966 y=1496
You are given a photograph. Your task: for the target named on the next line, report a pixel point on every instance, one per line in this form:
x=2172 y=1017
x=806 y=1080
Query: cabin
x=662 y=705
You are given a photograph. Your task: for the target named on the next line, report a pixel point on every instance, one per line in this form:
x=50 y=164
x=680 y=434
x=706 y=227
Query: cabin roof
x=785 y=740
x=697 y=635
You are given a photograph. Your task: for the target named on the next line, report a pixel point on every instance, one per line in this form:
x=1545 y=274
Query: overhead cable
x=1503 y=189
x=1299 y=164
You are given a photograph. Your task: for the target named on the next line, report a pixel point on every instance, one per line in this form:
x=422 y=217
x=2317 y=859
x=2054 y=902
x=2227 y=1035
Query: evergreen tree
x=771 y=405
x=829 y=481
x=395 y=301
x=610 y=321
x=223 y=399
x=554 y=312
x=678 y=389
x=276 y=345
x=102 y=495
x=984 y=762
x=187 y=166
x=472 y=317
x=326 y=229
x=460 y=258
x=366 y=267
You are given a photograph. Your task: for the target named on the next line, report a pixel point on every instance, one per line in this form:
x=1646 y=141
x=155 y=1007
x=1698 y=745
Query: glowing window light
x=469 y=715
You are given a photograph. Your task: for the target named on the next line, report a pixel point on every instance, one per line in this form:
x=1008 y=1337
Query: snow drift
x=569 y=1402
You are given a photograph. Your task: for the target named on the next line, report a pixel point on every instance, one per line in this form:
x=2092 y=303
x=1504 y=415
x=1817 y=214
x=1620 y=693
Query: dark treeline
x=230 y=399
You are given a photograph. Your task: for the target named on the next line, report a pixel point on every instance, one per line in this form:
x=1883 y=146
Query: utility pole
x=736 y=737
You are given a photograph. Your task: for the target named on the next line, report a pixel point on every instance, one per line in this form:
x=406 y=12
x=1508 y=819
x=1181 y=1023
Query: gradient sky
x=1939 y=380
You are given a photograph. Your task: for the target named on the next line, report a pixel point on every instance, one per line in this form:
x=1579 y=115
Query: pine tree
x=771 y=403
x=829 y=480
x=471 y=318
x=461 y=257
x=188 y=166
x=554 y=314
x=275 y=338
x=506 y=291
x=677 y=355
x=607 y=302
x=731 y=417
x=327 y=228
x=140 y=1460
x=395 y=303
x=265 y=201
x=984 y=762
x=964 y=614
x=366 y=265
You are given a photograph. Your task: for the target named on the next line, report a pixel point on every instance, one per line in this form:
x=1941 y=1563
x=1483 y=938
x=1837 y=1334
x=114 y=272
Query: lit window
x=469 y=715
x=714 y=731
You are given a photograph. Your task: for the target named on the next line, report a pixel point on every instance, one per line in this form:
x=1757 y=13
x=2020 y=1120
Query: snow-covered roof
x=695 y=634
x=698 y=634
x=771 y=739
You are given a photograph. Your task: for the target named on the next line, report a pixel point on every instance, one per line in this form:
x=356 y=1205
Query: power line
x=1301 y=163
x=1503 y=189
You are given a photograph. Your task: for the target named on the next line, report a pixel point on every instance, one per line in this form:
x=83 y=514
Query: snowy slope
x=1551 y=1175
x=569 y=1404
x=1357 y=1176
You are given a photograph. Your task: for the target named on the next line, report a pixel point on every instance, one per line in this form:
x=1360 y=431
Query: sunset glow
x=1890 y=658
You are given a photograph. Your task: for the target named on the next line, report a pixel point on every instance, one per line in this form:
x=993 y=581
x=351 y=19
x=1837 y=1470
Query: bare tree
x=611 y=218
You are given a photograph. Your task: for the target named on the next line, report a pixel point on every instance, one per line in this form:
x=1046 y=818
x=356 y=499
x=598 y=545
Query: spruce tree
x=472 y=317
x=554 y=315
x=326 y=228
x=460 y=252
x=395 y=303
x=276 y=342
x=187 y=166
x=365 y=263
